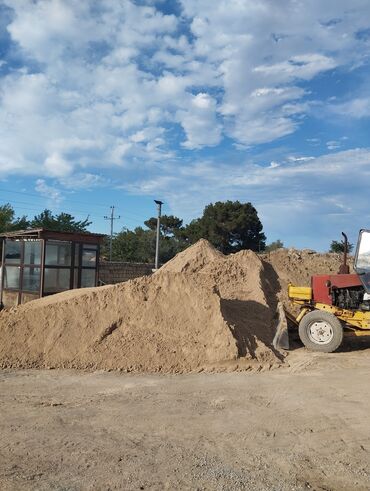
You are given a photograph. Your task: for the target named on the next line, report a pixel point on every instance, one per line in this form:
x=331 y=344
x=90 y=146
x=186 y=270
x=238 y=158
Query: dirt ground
x=305 y=426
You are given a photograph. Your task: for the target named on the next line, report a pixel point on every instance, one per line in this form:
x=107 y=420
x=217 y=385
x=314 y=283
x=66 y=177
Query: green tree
x=338 y=246
x=134 y=246
x=63 y=222
x=277 y=244
x=9 y=222
x=169 y=225
x=139 y=246
x=230 y=226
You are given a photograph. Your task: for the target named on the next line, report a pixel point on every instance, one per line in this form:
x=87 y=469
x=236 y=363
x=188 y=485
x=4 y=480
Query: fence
x=117 y=272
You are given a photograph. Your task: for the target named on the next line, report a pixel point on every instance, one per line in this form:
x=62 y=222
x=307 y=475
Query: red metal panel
x=320 y=290
x=345 y=280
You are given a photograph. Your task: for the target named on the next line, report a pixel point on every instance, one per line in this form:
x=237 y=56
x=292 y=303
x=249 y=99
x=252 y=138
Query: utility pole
x=159 y=208
x=111 y=218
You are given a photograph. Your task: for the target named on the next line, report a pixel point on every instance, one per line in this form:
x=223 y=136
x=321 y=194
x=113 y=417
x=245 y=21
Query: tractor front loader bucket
x=281 y=338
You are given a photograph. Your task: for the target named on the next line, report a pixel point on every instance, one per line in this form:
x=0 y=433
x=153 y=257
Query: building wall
x=117 y=272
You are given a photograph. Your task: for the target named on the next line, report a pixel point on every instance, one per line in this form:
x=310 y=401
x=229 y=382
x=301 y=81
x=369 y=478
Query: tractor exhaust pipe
x=344 y=268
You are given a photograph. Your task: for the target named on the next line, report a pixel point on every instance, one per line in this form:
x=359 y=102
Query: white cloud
x=147 y=134
x=51 y=193
x=313 y=141
x=83 y=180
x=252 y=51
x=331 y=168
x=40 y=25
x=199 y=122
x=56 y=166
x=292 y=158
x=333 y=145
x=121 y=85
x=356 y=108
x=262 y=129
x=303 y=67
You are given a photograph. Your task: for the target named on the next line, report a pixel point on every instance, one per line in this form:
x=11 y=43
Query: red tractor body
x=323 y=286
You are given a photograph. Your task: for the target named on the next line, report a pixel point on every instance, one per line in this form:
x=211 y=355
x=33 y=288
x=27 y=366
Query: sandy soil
x=304 y=426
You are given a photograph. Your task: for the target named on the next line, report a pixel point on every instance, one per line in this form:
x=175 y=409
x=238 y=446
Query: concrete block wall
x=117 y=272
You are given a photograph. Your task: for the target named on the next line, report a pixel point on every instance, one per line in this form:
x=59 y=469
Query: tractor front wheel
x=321 y=331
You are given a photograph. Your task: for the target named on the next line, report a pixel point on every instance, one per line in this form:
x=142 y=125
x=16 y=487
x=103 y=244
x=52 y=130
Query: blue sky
x=121 y=102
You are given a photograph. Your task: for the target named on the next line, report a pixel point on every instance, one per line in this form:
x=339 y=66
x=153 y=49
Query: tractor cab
x=362 y=259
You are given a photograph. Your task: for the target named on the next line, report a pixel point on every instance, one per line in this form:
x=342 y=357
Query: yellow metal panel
x=300 y=316
x=356 y=318
x=299 y=292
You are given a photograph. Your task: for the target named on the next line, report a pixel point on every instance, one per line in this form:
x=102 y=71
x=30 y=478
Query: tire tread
x=319 y=315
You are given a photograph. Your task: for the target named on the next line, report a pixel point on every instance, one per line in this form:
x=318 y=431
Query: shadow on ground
x=251 y=322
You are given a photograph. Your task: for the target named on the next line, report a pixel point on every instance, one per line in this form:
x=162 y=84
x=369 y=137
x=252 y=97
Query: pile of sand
x=248 y=299
x=202 y=310
x=193 y=259
x=167 y=323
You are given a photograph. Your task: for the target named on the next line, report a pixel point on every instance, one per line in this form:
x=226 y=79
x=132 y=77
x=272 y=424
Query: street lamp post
x=159 y=208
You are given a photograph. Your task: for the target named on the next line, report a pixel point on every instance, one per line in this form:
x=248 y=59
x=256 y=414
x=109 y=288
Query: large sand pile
x=170 y=322
x=202 y=310
x=248 y=299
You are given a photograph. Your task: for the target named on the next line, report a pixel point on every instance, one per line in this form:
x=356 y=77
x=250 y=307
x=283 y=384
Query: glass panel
x=11 y=277
x=10 y=299
x=362 y=260
x=363 y=256
x=58 y=253
x=56 y=280
x=27 y=297
x=88 y=256
x=87 y=278
x=31 y=279
x=32 y=252
x=13 y=252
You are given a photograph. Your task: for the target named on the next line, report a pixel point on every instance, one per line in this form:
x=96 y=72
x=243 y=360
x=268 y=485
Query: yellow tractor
x=334 y=306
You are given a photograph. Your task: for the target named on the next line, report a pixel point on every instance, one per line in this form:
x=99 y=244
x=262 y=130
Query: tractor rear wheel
x=321 y=331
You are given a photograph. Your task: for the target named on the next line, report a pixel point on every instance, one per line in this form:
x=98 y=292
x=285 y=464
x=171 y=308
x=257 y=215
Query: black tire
x=310 y=334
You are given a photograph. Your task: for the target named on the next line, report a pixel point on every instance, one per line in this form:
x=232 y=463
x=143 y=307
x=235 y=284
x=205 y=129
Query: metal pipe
x=159 y=207
x=345 y=249
x=344 y=268
x=111 y=234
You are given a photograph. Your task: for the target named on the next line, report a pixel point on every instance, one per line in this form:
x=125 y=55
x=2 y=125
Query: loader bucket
x=281 y=338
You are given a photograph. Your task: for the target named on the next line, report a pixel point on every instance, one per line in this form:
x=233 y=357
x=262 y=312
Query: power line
x=41 y=206
x=38 y=196
x=70 y=201
x=76 y=213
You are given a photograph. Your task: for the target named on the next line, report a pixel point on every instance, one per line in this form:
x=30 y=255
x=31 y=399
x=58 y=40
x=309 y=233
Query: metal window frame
x=84 y=241
x=20 y=290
